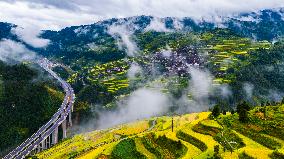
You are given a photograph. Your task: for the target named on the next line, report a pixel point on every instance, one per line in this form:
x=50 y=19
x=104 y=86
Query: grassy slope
x=100 y=144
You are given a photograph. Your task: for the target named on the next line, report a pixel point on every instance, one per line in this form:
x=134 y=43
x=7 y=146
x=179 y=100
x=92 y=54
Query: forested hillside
x=27 y=100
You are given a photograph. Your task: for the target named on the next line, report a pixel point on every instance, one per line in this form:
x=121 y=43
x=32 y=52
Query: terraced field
x=192 y=136
x=225 y=52
x=218 y=51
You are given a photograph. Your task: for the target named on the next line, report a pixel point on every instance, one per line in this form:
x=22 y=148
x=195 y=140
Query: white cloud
x=134 y=70
x=248 y=88
x=158 y=25
x=24 y=13
x=177 y=24
x=200 y=84
x=122 y=32
x=82 y=30
x=141 y=104
x=57 y=14
x=30 y=35
x=11 y=50
x=225 y=90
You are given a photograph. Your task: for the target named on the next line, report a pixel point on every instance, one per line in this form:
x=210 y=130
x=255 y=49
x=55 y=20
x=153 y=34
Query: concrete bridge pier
x=40 y=147
x=70 y=120
x=64 y=133
x=43 y=145
x=47 y=142
x=55 y=136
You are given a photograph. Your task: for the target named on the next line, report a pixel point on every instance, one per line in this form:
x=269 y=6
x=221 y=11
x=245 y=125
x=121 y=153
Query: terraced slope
x=194 y=136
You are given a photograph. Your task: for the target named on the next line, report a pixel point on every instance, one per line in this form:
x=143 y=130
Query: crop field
x=219 y=51
x=225 y=52
x=191 y=136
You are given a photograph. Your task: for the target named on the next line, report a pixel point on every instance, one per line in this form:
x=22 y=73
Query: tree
x=242 y=110
x=216 y=152
x=243 y=105
x=243 y=116
x=216 y=111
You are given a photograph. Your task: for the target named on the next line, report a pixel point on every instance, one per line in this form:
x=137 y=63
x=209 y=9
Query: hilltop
x=195 y=135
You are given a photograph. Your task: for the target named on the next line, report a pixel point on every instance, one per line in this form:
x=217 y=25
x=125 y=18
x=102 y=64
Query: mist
x=134 y=71
x=248 y=88
x=201 y=84
x=30 y=35
x=142 y=103
x=13 y=51
x=158 y=25
x=122 y=34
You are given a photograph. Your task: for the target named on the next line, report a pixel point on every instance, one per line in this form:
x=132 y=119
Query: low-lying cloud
x=14 y=51
x=134 y=70
x=142 y=103
x=123 y=36
x=30 y=35
x=248 y=88
x=157 y=25
x=200 y=84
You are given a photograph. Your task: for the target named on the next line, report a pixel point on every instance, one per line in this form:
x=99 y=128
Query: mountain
x=74 y=42
x=99 y=56
x=139 y=67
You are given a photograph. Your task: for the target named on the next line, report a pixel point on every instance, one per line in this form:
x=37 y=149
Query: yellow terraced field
x=254 y=149
x=102 y=143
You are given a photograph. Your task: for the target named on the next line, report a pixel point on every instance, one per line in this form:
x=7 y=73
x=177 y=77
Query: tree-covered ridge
x=92 y=43
x=27 y=101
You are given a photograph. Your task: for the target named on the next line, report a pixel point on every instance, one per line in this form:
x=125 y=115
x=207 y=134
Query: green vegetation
x=192 y=140
x=26 y=103
x=245 y=156
x=242 y=110
x=164 y=147
x=277 y=155
x=126 y=149
x=216 y=111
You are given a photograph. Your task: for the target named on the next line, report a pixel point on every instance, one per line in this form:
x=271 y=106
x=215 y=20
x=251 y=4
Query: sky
x=57 y=14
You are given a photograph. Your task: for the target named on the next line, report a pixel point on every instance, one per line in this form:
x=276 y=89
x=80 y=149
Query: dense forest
x=27 y=100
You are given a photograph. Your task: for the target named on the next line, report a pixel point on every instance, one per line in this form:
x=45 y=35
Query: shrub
x=73 y=154
x=216 y=111
x=243 y=116
x=163 y=146
x=230 y=136
x=192 y=140
x=276 y=155
x=216 y=152
x=245 y=156
x=207 y=130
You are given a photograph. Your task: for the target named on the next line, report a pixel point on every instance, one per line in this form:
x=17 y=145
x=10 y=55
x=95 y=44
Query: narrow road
x=56 y=120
